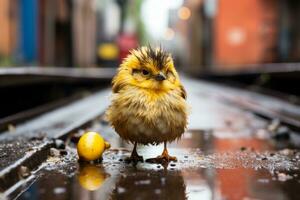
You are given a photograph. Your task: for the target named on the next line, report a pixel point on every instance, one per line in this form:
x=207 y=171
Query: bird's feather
x=144 y=109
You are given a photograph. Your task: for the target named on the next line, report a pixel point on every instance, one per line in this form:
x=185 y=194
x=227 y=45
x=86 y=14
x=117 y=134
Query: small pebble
x=54 y=152
x=24 y=171
x=59 y=144
x=11 y=128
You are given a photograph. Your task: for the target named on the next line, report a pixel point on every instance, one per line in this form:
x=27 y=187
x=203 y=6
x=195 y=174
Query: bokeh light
x=184 y=13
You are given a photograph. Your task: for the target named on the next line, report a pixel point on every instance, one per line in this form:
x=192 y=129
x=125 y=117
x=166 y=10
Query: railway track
x=218 y=111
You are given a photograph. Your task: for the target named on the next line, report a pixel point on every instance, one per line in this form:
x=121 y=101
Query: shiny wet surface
x=227 y=153
x=238 y=174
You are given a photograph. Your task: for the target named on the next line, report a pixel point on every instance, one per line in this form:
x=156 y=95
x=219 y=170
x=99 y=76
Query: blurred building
x=81 y=33
x=8 y=32
x=246 y=32
x=201 y=34
x=67 y=32
x=233 y=34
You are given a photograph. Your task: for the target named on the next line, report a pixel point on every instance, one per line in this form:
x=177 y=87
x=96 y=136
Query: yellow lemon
x=90 y=146
x=91 y=177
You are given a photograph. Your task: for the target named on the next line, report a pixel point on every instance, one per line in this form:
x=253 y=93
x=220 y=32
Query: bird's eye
x=145 y=72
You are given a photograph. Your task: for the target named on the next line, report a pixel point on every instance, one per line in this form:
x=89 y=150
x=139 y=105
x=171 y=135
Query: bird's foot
x=135 y=158
x=163 y=158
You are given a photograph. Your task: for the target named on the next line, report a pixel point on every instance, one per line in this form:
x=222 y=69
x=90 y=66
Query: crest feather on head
x=157 y=56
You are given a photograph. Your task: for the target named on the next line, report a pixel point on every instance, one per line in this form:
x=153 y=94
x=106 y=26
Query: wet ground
x=227 y=153
x=250 y=170
x=14 y=150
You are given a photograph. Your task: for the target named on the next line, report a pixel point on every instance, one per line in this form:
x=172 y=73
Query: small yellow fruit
x=91 y=146
x=91 y=177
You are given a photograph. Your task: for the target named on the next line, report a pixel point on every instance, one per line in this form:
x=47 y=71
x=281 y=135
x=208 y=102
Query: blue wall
x=28 y=30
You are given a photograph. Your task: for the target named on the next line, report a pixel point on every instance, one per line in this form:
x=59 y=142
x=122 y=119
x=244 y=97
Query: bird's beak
x=160 y=77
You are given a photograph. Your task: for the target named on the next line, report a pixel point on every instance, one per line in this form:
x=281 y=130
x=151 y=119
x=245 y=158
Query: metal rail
x=25 y=75
x=266 y=106
x=52 y=125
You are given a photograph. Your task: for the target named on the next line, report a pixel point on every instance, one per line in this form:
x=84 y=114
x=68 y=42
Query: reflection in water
x=92 y=182
x=51 y=186
x=150 y=185
x=91 y=177
x=241 y=183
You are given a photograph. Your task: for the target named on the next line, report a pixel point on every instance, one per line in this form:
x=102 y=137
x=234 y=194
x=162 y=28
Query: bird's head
x=148 y=68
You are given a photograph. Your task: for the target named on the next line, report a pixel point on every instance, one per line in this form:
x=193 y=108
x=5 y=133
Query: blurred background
x=203 y=35
x=57 y=52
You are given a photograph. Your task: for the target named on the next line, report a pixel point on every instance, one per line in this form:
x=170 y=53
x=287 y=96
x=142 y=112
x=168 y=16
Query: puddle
x=241 y=168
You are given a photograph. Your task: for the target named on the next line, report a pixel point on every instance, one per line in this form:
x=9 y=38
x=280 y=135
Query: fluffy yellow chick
x=148 y=104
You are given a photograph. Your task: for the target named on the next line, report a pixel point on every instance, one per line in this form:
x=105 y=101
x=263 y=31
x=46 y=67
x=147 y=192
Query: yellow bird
x=148 y=104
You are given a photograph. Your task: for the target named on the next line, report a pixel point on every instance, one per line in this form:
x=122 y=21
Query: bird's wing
x=116 y=87
x=183 y=92
x=117 y=84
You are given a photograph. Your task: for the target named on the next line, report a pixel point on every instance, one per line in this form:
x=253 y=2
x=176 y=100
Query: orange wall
x=7 y=26
x=237 y=184
x=245 y=32
x=4 y=31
